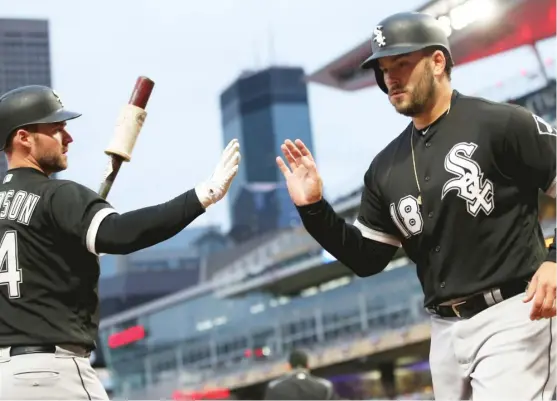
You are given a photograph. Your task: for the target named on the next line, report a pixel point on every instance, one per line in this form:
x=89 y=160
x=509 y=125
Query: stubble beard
x=53 y=162
x=421 y=97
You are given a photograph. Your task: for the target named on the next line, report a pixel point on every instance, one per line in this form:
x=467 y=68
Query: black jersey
x=300 y=385
x=49 y=265
x=461 y=197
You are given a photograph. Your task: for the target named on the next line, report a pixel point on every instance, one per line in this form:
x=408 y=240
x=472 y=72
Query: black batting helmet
x=403 y=33
x=32 y=104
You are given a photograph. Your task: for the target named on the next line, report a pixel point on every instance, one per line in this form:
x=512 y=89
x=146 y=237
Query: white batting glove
x=214 y=189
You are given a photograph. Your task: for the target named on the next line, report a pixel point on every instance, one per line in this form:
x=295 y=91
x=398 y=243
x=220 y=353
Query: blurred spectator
x=299 y=384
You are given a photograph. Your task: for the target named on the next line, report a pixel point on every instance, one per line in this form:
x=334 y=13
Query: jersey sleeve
x=78 y=212
x=374 y=221
x=530 y=144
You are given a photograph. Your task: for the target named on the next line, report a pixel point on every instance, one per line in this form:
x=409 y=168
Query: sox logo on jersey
x=469 y=183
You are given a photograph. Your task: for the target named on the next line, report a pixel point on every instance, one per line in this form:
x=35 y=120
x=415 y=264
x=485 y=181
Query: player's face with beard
x=410 y=82
x=50 y=147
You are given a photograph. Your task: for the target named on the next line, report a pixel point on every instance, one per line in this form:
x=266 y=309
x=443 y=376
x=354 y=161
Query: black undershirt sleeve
x=344 y=241
x=129 y=232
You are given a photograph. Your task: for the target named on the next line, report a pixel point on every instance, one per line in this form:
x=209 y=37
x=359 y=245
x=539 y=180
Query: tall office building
x=262 y=109
x=24 y=57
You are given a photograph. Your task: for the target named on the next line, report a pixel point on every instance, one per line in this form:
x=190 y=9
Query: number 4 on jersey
x=10 y=274
x=407 y=216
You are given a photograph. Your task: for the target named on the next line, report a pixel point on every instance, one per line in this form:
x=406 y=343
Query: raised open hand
x=302 y=178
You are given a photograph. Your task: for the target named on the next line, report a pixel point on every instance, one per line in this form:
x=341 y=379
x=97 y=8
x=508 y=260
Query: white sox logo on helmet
x=57 y=96
x=378 y=36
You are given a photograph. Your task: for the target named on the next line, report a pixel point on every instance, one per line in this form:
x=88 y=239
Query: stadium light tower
x=469 y=12
x=458 y=17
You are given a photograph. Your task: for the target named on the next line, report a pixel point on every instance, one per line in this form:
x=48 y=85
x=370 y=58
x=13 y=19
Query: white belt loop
x=5 y=352
x=497 y=295
x=489 y=298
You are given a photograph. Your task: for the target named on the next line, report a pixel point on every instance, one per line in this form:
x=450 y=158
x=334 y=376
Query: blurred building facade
x=541 y=101
x=24 y=58
x=229 y=321
x=262 y=109
x=176 y=264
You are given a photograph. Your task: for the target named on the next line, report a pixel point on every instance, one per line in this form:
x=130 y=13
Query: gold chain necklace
x=419 y=200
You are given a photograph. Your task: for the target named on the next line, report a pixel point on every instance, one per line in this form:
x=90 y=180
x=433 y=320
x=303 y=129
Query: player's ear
x=438 y=59
x=23 y=137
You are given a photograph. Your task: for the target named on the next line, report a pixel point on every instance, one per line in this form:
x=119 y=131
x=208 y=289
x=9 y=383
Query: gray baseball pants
x=499 y=354
x=64 y=375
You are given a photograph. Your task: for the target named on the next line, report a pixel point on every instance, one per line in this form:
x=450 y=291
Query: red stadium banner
x=127 y=336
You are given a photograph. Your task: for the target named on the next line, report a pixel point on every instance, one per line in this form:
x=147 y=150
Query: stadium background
x=265 y=287
x=212 y=314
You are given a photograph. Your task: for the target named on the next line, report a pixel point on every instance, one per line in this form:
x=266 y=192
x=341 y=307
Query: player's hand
x=302 y=178
x=214 y=189
x=542 y=291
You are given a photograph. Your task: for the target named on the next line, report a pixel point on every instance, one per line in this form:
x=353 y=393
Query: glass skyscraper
x=24 y=58
x=262 y=109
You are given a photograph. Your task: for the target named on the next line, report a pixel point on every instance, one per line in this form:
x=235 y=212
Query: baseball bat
x=129 y=124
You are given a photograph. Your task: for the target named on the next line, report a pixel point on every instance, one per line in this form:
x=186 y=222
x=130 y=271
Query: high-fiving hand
x=214 y=189
x=302 y=178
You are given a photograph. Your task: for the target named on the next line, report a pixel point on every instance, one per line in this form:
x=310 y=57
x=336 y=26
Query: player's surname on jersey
x=18 y=206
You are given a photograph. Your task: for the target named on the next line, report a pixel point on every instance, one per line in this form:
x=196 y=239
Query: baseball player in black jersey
x=458 y=190
x=52 y=232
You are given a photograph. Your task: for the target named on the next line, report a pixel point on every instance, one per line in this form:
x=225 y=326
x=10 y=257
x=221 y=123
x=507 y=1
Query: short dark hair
x=298 y=359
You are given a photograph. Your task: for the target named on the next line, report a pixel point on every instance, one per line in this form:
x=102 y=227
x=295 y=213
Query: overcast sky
x=193 y=50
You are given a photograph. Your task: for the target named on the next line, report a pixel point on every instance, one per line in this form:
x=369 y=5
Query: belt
x=477 y=303
x=32 y=349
